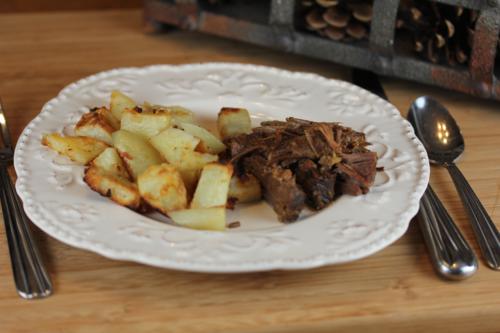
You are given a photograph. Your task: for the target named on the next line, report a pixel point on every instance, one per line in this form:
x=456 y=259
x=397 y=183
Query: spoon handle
x=450 y=253
x=486 y=232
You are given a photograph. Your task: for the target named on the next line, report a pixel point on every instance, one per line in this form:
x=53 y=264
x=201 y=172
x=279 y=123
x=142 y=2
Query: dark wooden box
x=271 y=23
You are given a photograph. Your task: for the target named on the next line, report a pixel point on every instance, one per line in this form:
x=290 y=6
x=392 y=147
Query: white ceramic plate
x=57 y=200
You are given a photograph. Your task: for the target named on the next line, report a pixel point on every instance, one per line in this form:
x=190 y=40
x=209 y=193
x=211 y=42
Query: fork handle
x=450 y=253
x=30 y=276
x=486 y=232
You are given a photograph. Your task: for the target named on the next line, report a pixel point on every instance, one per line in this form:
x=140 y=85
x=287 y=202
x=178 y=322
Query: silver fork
x=30 y=275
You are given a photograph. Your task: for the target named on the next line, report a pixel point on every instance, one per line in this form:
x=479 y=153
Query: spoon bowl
x=437 y=130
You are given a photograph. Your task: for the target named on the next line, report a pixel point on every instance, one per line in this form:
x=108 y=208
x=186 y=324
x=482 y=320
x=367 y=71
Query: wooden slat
x=394 y=290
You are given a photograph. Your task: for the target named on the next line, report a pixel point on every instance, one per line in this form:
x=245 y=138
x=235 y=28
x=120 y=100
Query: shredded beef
x=280 y=188
x=318 y=185
x=301 y=162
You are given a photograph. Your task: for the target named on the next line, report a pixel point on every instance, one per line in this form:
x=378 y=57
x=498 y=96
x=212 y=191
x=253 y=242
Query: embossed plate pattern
x=57 y=200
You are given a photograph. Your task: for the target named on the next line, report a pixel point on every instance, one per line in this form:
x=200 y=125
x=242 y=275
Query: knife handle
x=450 y=254
x=369 y=81
x=30 y=276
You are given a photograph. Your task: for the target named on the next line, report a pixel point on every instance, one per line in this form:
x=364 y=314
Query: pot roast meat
x=318 y=185
x=320 y=139
x=291 y=150
x=300 y=161
x=364 y=163
x=350 y=181
x=357 y=173
x=246 y=142
x=350 y=140
x=280 y=188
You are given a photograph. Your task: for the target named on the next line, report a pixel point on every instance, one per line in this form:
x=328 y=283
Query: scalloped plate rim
x=317 y=261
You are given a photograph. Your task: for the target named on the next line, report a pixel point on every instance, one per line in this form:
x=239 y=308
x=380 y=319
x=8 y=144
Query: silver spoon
x=449 y=252
x=451 y=255
x=444 y=143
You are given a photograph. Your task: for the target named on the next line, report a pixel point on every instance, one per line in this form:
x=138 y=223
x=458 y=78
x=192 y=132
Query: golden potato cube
x=118 y=189
x=161 y=187
x=110 y=162
x=193 y=160
x=94 y=125
x=119 y=103
x=145 y=123
x=172 y=143
x=135 y=151
x=210 y=143
x=213 y=186
x=179 y=114
x=80 y=149
x=244 y=189
x=201 y=218
x=177 y=147
x=233 y=121
x=190 y=164
x=106 y=113
x=190 y=179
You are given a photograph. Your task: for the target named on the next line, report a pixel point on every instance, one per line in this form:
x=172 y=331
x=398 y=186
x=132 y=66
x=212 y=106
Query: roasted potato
x=244 y=189
x=161 y=187
x=190 y=179
x=119 y=189
x=172 y=141
x=110 y=162
x=176 y=146
x=201 y=218
x=190 y=166
x=95 y=125
x=147 y=124
x=209 y=142
x=120 y=103
x=106 y=113
x=233 y=121
x=213 y=186
x=179 y=114
x=196 y=161
x=80 y=149
x=135 y=151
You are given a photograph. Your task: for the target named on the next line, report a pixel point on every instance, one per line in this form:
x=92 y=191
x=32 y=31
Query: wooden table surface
x=394 y=290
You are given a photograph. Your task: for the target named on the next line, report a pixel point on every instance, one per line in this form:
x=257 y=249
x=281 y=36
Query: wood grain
x=13 y=6
x=394 y=290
